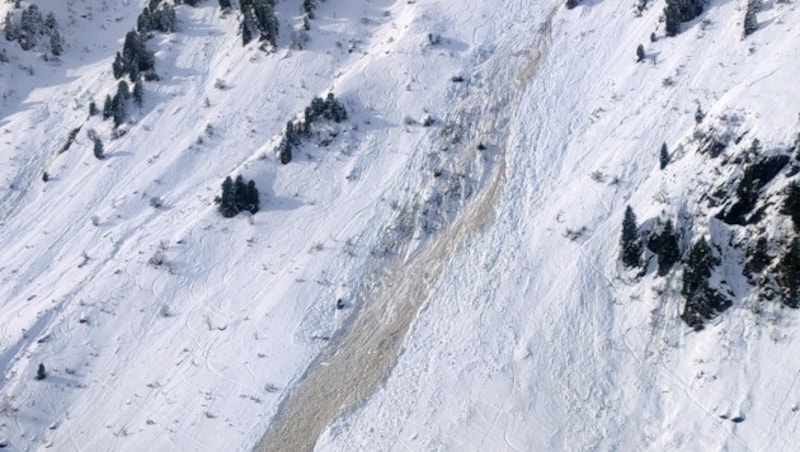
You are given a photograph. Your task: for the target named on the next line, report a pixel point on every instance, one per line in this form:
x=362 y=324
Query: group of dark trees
x=330 y=109
x=158 y=16
x=679 y=11
x=31 y=27
x=237 y=196
x=702 y=302
x=258 y=16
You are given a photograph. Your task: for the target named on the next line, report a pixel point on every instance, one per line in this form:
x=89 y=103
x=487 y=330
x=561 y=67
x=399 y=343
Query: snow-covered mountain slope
x=485 y=307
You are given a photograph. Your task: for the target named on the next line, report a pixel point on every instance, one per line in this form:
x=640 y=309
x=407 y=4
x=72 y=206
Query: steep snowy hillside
x=439 y=271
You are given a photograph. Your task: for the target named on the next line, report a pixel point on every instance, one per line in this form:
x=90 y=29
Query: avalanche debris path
x=362 y=356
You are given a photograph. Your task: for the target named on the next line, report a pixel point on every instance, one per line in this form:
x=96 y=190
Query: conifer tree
x=791 y=204
x=108 y=107
x=668 y=252
x=56 y=44
x=118 y=108
x=92 y=108
x=701 y=301
x=138 y=93
x=227 y=201
x=640 y=53
x=285 y=152
x=789 y=275
x=631 y=248
x=225 y=4
x=672 y=19
x=252 y=199
x=41 y=373
x=98 y=148
x=750 y=19
x=664 y=157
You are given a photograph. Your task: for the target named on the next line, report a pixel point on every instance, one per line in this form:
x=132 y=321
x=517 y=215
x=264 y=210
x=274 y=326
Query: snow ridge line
x=362 y=356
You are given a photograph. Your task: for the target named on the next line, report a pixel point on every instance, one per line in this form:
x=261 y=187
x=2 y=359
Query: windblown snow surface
x=485 y=306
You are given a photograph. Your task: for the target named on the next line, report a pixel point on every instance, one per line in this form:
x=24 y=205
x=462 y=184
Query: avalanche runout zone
x=362 y=356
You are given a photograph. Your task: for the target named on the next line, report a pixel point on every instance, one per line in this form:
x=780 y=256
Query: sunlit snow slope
x=477 y=259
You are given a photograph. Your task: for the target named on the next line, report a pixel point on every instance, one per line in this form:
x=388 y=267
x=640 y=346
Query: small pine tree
x=247 y=35
x=98 y=148
x=699 y=114
x=572 y=3
x=672 y=19
x=631 y=248
x=144 y=21
x=640 y=55
x=668 y=251
x=227 y=201
x=225 y=4
x=664 y=157
x=702 y=302
x=92 y=109
x=750 y=19
x=789 y=275
x=285 y=152
x=56 y=44
x=118 y=108
x=253 y=204
x=108 y=107
x=138 y=93
x=41 y=373
x=791 y=204
x=123 y=90
x=308 y=7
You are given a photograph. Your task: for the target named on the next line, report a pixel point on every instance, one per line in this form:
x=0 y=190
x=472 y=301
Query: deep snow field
x=485 y=305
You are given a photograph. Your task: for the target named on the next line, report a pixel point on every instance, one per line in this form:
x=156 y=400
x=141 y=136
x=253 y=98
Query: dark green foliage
x=308 y=7
x=672 y=19
x=41 y=373
x=664 y=156
x=791 y=204
x=750 y=19
x=108 y=107
x=118 y=107
x=789 y=275
x=56 y=43
x=640 y=53
x=98 y=148
x=92 y=109
x=754 y=179
x=138 y=93
x=163 y=19
x=699 y=115
x=259 y=15
x=123 y=89
x=666 y=245
x=143 y=22
x=702 y=302
x=759 y=257
x=631 y=247
x=134 y=59
x=247 y=36
x=285 y=151
x=10 y=29
x=237 y=197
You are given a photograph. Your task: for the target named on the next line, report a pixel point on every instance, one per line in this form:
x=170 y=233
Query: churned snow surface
x=484 y=304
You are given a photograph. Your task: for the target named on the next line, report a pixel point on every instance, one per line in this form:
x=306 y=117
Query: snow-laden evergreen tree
x=667 y=249
x=225 y=4
x=701 y=301
x=630 y=246
x=672 y=19
x=308 y=7
x=98 y=148
x=138 y=93
x=640 y=53
x=118 y=109
x=750 y=19
x=108 y=107
x=56 y=43
x=663 y=157
x=572 y=3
